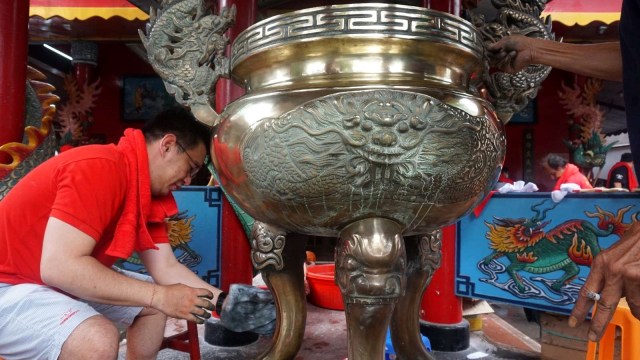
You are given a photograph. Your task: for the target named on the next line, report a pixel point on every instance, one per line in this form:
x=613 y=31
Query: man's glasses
x=195 y=168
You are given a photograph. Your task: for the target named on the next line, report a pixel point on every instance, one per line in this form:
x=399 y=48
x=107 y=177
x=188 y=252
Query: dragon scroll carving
x=182 y=41
x=510 y=93
x=39 y=143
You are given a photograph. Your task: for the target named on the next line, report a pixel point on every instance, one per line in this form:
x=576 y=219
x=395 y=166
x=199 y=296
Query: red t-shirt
x=573 y=175
x=84 y=187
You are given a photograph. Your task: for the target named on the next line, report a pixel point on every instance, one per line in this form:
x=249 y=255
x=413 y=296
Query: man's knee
x=94 y=338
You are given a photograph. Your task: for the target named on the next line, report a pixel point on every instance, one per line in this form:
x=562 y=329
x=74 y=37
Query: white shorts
x=36 y=320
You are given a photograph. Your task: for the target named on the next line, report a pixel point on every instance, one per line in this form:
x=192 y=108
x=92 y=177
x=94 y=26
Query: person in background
x=621 y=174
x=504 y=176
x=615 y=272
x=64 y=225
x=558 y=168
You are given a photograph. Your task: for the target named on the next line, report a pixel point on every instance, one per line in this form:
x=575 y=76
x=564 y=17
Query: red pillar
x=440 y=304
x=441 y=310
x=451 y=6
x=14 y=20
x=235 y=249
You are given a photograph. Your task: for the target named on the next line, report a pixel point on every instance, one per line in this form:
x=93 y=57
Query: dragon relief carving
x=430 y=251
x=74 y=116
x=406 y=145
x=267 y=244
x=510 y=93
x=182 y=41
x=39 y=143
x=588 y=146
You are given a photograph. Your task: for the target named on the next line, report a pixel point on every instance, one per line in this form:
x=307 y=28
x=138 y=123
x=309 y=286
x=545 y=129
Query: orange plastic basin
x=323 y=291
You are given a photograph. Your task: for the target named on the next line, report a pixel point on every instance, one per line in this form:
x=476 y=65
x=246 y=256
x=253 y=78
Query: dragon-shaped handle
x=510 y=93
x=183 y=39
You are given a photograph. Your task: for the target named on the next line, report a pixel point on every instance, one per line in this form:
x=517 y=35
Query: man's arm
x=246 y=308
x=602 y=60
x=167 y=270
x=67 y=264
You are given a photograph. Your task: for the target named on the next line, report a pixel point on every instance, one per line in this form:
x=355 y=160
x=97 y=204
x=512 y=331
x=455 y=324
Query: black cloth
x=621 y=175
x=630 y=47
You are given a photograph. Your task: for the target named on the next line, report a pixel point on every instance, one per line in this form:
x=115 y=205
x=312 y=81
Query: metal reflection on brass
x=355 y=20
x=371 y=261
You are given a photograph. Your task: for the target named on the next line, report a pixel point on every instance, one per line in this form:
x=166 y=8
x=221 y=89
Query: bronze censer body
x=359 y=121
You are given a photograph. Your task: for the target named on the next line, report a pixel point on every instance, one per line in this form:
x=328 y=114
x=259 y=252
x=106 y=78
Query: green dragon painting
x=528 y=247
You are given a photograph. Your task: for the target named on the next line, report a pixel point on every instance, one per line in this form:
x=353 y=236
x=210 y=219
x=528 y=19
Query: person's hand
x=183 y=302
x=615 y=272
x=248 y=308
x=512 y=53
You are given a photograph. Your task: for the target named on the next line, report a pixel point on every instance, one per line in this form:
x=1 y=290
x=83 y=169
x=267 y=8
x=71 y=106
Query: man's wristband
x=221 y=297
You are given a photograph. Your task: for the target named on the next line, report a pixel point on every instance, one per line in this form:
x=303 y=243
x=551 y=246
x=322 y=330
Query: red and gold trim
x=580 y=12
x=84 y=9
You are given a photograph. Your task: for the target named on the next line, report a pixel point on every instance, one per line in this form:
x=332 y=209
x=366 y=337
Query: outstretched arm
x=603 y=60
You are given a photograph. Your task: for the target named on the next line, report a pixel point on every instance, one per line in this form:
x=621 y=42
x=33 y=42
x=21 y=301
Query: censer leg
x=370 y=264
x=423 y=258
x=282 y=270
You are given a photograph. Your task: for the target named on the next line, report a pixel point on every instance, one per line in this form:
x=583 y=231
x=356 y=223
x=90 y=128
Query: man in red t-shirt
x=564 y=172
x=64 y=225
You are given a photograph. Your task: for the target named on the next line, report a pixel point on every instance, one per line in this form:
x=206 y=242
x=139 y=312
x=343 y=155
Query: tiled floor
x=326 y=339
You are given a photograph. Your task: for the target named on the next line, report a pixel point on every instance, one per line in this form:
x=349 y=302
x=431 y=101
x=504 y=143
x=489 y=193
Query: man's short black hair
x=180 y=122
x=555 y=161
x=626 y=157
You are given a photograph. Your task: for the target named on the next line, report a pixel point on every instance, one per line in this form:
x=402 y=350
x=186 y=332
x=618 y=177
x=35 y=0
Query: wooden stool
x=186 y=341
x=629 y=336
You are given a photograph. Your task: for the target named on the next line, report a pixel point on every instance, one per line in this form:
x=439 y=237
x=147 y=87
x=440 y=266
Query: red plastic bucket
x=323 y=291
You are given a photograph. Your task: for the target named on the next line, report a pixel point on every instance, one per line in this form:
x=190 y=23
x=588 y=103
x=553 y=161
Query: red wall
x=549 y=131
x=115 y=60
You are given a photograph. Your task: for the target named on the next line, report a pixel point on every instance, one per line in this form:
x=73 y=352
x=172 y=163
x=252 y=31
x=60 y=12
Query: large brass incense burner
x=360 y=121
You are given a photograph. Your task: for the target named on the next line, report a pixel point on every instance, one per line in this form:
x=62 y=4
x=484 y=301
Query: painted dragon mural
x=527 y=247
x=180 y=235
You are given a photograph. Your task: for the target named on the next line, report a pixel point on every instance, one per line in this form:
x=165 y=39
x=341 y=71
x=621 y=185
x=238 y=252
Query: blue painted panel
x=526 y=250
x=196 y=238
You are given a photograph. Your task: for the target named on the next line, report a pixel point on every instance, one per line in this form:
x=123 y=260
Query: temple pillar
x=14 y=37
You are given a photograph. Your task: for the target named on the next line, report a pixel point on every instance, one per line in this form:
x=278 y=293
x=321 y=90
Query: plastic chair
x=629 y=337
x=186 y=341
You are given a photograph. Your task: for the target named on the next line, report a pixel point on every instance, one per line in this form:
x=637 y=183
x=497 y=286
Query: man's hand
x=248 y=308
x=512 y=53
x=615 y=272
x=183 y=302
